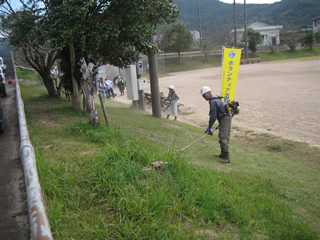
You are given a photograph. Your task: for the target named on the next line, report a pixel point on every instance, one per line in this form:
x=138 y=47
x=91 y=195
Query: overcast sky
x=14 y=3
x=250 y=1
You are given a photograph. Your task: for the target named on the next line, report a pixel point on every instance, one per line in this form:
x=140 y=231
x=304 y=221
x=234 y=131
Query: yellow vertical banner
x=230 y=69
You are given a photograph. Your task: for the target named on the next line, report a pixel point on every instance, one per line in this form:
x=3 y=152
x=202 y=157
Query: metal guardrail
x=39 y=224
x=26 y=68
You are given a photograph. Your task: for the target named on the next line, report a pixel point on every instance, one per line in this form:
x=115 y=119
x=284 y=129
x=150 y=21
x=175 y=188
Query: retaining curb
x=39 y=224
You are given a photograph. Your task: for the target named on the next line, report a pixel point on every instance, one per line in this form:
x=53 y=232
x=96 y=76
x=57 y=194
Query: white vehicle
x=2 y=65
x=3 y=92
x=1 y=118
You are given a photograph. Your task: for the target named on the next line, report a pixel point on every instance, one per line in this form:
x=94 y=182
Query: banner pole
x=222 y=53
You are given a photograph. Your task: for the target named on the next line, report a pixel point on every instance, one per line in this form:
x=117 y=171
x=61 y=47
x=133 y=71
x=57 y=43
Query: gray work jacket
x=218 y=109
x=172 y=97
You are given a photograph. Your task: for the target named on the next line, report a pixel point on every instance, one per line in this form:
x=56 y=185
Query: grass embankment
x=281 y=55
x=95 y=187
x=26 y=74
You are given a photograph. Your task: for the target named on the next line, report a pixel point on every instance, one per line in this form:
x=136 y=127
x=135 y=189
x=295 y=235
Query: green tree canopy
x=177 y=38
x=112 y=32
x=309 y=39
x=254 y=39
x=24 y=31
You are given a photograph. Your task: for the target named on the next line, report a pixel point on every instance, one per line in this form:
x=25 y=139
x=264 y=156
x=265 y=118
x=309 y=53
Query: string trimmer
x=234 y=110
x=209 y=133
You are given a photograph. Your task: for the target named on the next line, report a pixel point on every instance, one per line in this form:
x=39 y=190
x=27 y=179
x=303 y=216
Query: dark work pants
x=224 y=133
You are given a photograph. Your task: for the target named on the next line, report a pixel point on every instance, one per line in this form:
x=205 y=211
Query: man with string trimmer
x=219 y=110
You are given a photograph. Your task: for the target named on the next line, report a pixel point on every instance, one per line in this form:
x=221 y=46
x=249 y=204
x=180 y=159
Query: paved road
x=14 y=219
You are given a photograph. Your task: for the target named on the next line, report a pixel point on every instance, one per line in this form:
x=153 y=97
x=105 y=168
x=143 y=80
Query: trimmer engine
x=234 y=108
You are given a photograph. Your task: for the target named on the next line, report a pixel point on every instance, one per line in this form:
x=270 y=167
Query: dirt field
x=277 y=98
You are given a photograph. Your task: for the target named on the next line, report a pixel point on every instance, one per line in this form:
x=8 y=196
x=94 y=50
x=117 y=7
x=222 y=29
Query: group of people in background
x=105 y=88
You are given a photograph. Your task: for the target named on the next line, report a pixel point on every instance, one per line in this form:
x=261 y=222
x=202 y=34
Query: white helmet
x=171 y=87
x=205 y=89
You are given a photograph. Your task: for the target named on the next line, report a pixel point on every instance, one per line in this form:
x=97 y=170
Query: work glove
x=208 y=131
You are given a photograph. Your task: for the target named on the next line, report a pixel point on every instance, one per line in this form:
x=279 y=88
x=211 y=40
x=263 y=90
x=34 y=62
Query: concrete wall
x=108 y=71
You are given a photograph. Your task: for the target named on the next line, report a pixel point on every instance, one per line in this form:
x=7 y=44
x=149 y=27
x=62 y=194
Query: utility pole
x=154 y=85
x=199 y=26
x=245 y=29
x=235 y=24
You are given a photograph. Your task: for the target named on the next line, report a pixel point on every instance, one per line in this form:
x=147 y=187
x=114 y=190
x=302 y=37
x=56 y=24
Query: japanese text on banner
x=230 y=69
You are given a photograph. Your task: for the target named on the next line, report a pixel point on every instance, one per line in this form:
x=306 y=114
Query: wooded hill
x=215 y=13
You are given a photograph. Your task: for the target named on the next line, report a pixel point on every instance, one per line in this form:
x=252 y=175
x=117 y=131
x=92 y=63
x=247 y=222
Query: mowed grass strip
x=95 y=186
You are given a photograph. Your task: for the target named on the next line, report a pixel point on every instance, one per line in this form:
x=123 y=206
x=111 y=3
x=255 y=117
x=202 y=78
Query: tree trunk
x=89 y=103
x=59 y=88
x=49 y=84
x=88 y=89
x=42 y=63
x=76 y=89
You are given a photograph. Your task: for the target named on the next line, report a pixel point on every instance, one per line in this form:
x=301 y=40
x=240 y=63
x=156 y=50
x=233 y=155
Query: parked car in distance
x=1 y=118
x=3 y=66
x=3 y=92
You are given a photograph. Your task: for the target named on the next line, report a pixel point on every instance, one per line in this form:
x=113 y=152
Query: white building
x=270 y=34
x=316 y=24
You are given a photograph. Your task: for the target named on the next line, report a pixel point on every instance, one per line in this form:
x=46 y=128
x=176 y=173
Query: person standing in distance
x=173 y=97
x=219 y=111
x=101 y=88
